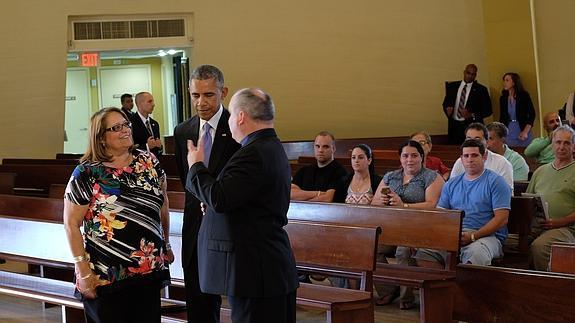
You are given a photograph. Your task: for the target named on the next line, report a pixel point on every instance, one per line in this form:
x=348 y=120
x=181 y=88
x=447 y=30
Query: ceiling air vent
x=129 y=29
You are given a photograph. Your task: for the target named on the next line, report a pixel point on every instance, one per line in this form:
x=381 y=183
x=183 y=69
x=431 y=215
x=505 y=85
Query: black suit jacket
x=524 y=110
x=141 y=134
x=223 y=147
x=243 y=249
x=478 y=101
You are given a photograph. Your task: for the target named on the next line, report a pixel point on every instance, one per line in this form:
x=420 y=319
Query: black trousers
x=201 y=307
x=456 y=130
x=279 y=309
x=139 y=303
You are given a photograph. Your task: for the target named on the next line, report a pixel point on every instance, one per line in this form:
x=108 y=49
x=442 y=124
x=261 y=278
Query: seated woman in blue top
x=516 y=111
x=411 y=186
x=359 y=187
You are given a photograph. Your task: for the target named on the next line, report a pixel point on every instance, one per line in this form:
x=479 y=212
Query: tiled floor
x=15 y=310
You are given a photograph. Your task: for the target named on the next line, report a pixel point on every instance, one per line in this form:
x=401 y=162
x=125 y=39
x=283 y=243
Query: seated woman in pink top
x=431 y=162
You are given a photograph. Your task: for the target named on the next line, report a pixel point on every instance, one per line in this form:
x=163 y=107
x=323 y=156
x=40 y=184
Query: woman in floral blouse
x=118 y=195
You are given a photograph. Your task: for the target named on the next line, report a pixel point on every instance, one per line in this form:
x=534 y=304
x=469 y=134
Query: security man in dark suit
x=244 y=252
x=207 y=91
x=465 y=102
x=145 y=130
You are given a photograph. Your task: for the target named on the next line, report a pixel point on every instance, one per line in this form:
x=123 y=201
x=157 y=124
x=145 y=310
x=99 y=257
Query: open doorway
x=162 y=72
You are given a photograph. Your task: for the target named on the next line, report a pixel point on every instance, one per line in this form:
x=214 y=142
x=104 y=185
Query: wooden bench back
x=435 y=229
x=36 y=179
x=33 y=207
x=494 y=294
x=7 y=181
x=562 y=258
x=38 y=161
x=347 y=248
x=523 y=210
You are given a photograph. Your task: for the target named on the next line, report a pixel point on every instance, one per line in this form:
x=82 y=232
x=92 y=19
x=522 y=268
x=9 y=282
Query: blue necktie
x=207 y=138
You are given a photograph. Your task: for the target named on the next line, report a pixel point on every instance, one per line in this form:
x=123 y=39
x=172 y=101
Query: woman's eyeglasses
x=119 y=127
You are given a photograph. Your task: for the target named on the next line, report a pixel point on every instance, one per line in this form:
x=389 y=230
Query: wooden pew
x=35 y=180
x=562 y=258
x=38 y=161
x=492 y=294
x=434 y=229
x=340 y=303
x=7 y=181
x=520 y=187
x=339 y=250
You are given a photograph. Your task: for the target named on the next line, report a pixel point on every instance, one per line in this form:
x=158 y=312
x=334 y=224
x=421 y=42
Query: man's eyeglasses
x=119 y=127
x=422 y=142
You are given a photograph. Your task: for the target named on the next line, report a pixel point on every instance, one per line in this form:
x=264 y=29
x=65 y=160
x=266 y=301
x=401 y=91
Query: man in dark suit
x=127 y=104
x=145 y=130
x=207 y=91
x=244 y=252
x=465 y=102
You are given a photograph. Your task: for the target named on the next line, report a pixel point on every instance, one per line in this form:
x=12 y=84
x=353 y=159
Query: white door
x=77 y=115
x=117 y=80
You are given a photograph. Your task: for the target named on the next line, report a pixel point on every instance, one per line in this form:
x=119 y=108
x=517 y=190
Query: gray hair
x=565 y=128
x=206 y=72
x=499 y=128
x=257 y=104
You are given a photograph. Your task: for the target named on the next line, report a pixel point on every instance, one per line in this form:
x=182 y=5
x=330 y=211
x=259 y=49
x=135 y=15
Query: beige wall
x=368 y=68
x=362 y=69
x=555 y=28
x=509 y=48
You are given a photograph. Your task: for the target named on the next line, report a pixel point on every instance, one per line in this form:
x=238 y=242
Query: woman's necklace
x=359 y=185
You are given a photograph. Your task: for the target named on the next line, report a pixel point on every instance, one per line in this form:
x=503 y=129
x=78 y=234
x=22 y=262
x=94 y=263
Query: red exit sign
x=90 y=59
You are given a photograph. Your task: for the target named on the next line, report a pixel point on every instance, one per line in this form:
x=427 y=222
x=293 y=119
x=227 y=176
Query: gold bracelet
x=79 y=259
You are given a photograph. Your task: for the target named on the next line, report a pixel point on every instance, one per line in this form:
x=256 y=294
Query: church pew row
x=391 y=221
x=294 y=149
x=314 y=246
x=35 y=179
x=434 y=229
x=493 y=294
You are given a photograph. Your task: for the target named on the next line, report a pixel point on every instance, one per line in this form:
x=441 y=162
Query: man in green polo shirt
x=541 y=147
x=555 y=182
x=496 y=143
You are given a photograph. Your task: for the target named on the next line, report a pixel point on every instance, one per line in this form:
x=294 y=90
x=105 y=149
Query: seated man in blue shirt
x=486 y=199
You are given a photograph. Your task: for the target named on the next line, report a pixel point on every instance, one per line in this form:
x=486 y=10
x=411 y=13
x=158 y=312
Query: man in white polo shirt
x=494 y=162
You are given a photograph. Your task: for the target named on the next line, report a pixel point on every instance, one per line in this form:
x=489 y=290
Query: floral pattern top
x=122 y=228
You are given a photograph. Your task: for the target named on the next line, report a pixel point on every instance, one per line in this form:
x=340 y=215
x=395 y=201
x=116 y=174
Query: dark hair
x=499 y=128
x=125 y=96
x=206 y=72
x=369 y=154
x=474 y=143
x=416 y=145
x=517 y=85
x=478 y=126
